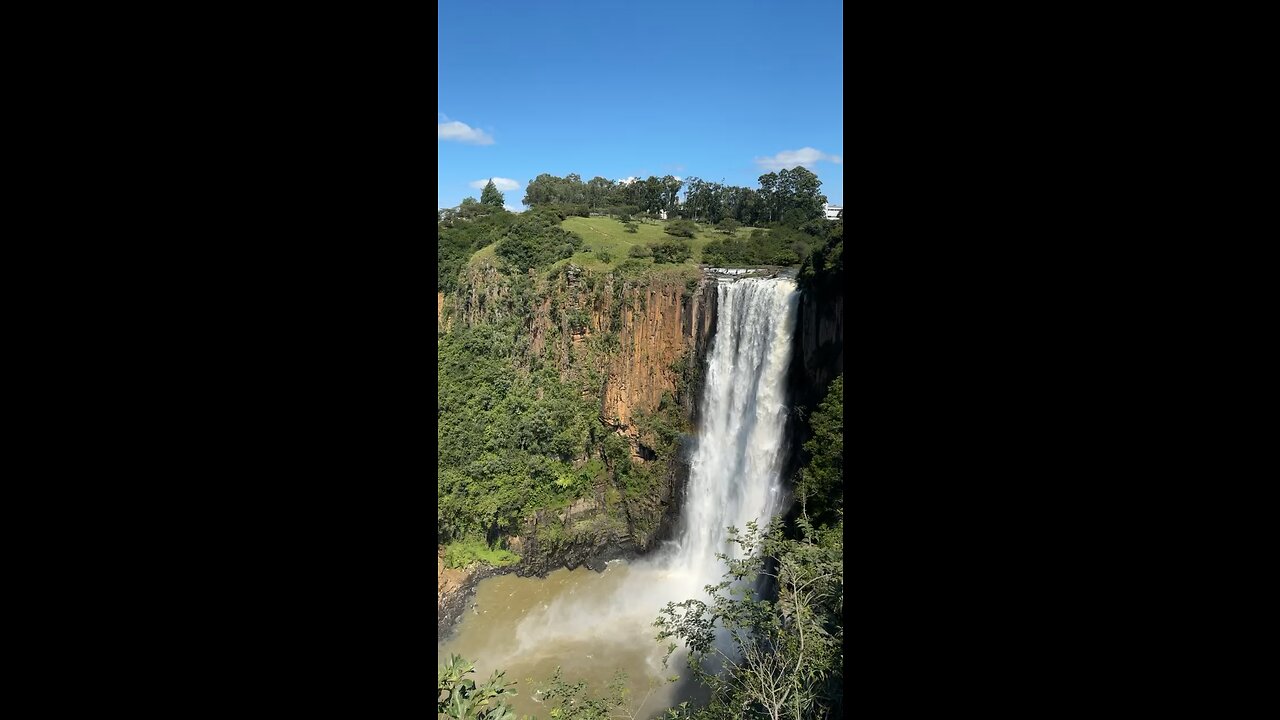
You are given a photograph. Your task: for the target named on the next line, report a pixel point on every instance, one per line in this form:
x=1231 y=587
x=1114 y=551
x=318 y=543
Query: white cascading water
x=734 y=471
x=733 y=475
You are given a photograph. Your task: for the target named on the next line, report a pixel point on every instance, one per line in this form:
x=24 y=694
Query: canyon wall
x=629 y=342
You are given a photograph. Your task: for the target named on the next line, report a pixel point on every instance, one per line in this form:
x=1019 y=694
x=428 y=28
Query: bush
x=629 y=227
x=536 y=240
x=631 y=267
x=605 y=256
x=728 y=226
x=681 y=228
x=639 y=251
x=463 y=553
x=671 y=251
x=782 y=246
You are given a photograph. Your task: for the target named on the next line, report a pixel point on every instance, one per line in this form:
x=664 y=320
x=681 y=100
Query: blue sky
x=724 y=91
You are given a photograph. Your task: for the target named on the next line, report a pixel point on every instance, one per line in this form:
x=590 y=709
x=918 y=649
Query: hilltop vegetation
x=602 y=225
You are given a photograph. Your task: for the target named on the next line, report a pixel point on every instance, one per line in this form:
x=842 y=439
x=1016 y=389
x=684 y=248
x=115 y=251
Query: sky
x=721 y=90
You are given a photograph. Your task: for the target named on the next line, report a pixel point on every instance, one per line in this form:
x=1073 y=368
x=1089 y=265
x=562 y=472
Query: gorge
x=601 y=423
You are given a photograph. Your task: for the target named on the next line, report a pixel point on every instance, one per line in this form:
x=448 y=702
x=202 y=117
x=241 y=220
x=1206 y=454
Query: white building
x=832 y=212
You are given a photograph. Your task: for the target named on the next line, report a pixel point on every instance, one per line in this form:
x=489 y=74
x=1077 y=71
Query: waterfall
x=733 y=476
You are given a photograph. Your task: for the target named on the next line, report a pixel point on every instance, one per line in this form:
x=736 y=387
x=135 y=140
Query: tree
x=671 y=251
x=801 y=193
x=651 y=196
x=821 y=482
x=536 y=239
x=670 y=196
x=598 y=192
x=491 y=196
x=769 y=195
x=541 y=190
x=780 y=660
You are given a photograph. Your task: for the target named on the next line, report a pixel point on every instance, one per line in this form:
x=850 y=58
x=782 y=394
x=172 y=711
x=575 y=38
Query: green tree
x=491 y=196
x=671 y=251
x=769 y=196
x=798 y=195
x=778 y=659
x=670 y=194
x=728 y=226
x=821 y=481
x=536 y=240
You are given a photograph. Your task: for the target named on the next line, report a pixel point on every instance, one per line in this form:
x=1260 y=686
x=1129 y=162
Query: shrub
x=630 y=227
x=536 y=240
x=463 y=553
x=681 y=228
x=605 y=256
x=631 y=267
x=671 y=251
x=728 y=226
x=640 y=251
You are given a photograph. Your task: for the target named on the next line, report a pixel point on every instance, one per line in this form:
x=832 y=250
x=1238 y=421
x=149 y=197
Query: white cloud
x=806 y=156
x=514 y=209
x=627 y=181
x=460 y=132
x=503 y=184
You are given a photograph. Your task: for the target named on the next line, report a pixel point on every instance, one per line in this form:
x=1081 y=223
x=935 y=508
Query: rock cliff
x=629 y=342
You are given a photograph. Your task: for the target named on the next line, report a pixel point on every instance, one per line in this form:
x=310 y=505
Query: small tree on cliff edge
x=491 y=195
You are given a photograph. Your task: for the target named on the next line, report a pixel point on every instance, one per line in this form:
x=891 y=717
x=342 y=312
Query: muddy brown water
x=572 y=619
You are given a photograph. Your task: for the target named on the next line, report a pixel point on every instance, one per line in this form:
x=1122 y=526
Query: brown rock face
x=624 y=341
x=650 y=324
x=653 y=339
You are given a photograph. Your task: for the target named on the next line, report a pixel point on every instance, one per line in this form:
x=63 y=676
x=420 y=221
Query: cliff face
x=820 y=337
x=647 y=330
x=817 y=359
x=627 y=342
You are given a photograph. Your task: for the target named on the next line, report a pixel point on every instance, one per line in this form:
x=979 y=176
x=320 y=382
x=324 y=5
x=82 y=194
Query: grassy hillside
x=602 y=233
x=605 y=234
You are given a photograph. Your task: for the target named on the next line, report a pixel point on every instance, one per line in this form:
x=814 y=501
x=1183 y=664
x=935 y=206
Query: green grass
x=604 y=233
x=488 y=251
x=465 y=552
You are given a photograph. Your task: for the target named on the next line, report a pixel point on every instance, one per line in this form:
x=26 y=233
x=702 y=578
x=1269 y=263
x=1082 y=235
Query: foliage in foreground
x=764 y=659
x=458 y=696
